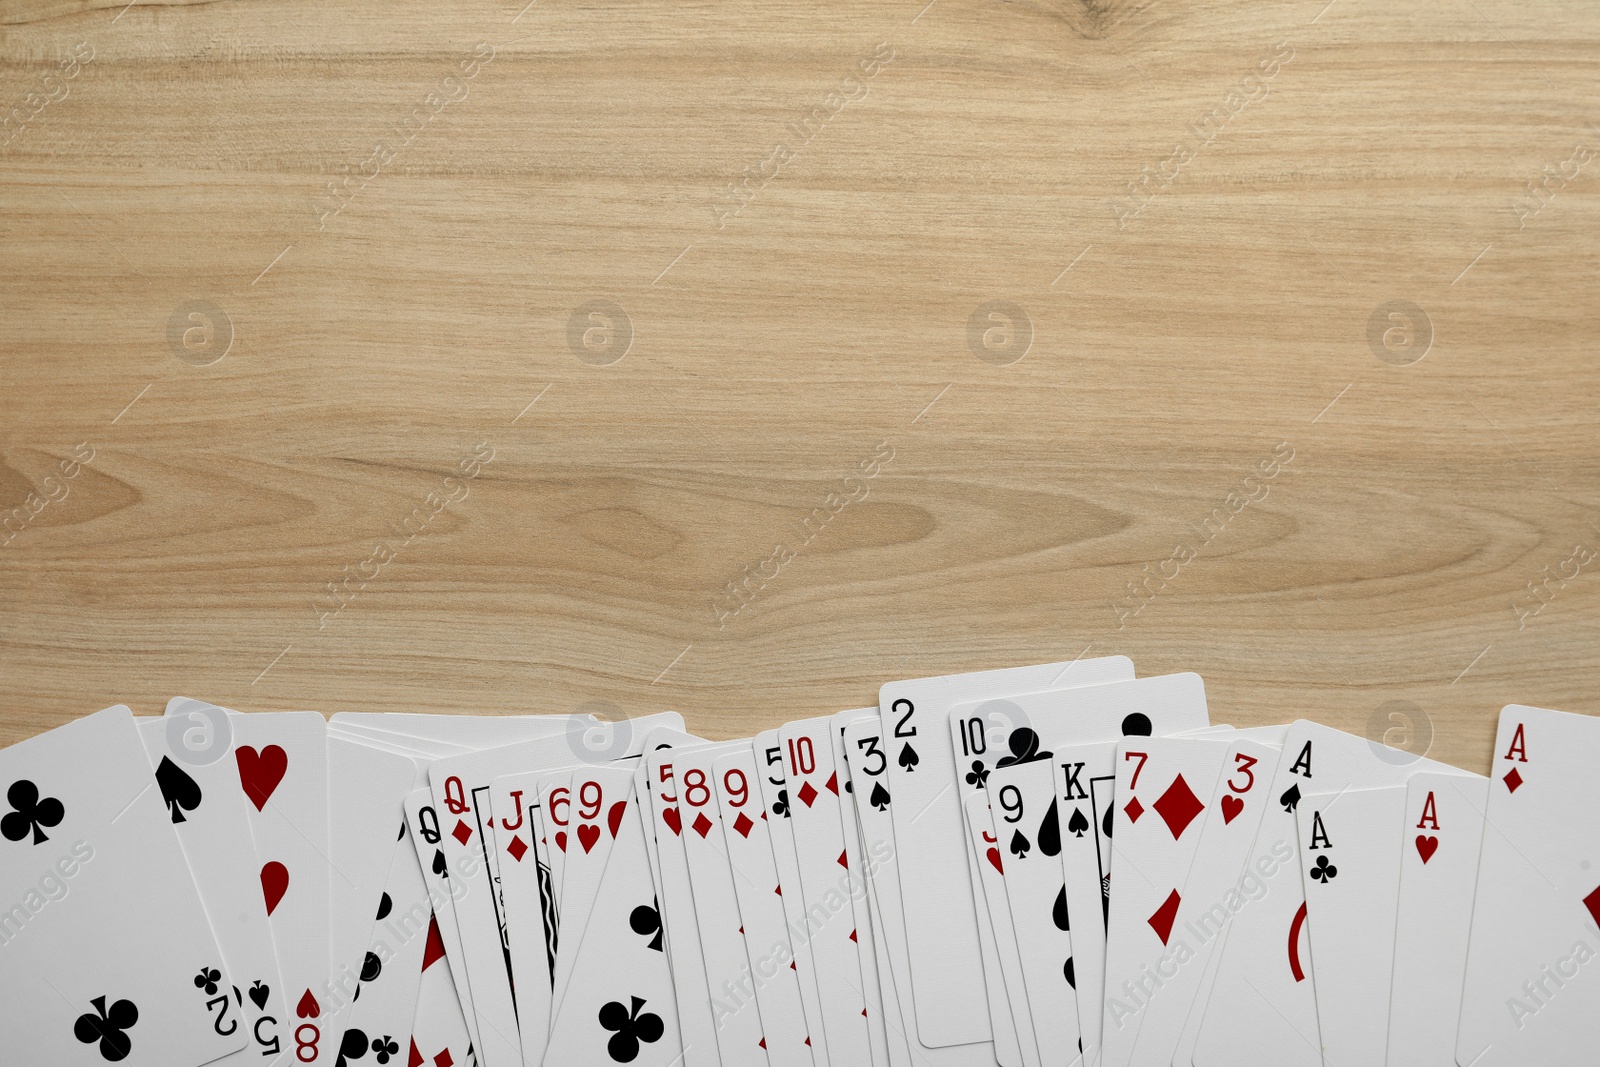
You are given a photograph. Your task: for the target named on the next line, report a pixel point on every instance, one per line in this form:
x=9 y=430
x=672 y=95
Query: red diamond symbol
x=461 y=832
x=415 y=1059
x=807 y=794
x=516 y=848
x=1512 y=779
x=1134 y=810
x=743 y=824
x=1592 y=902
x=833 y=783
x=1161 y=921
x=1178 y=806
x=444 y=1059
x=844 y=860
x=853 y=936
x=701 y=824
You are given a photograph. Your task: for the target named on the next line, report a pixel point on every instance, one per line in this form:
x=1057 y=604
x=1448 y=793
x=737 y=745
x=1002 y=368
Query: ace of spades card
x=619 y=1005
x=1439 y=845
x=1027 y=822
x=1532 y=989
x=105 y=952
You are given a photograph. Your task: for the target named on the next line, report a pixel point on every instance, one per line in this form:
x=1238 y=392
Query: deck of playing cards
x=1050 y=866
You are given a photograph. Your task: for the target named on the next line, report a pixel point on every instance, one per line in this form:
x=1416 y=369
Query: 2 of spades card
x=943 y=936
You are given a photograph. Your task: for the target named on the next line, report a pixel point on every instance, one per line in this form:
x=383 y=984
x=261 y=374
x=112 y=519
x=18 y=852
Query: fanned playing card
x=1532 y=990
x=105 y=952
x=949 y=993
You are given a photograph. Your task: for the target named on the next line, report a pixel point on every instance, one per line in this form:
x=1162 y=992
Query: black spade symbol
x=1019 y=845
x=259 y=994
x=179 y=790
x=1077 y=825
x=385 y=906
x=1291 y=797
x=909 y=758
x=1136 y=725
x=1105 y=822
x=440 y=867
x=880 y=796
x=1058 y=911
x=1050 y=832
x=1072 y=980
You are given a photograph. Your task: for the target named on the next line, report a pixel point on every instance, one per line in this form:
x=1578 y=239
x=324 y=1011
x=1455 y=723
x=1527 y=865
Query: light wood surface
x=972 y=152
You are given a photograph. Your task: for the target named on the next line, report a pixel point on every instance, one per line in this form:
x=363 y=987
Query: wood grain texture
x=798 y=210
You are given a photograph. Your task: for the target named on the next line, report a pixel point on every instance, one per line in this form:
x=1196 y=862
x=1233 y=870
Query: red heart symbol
x=1231 y=807
x=1427 y=846
x=308 y=1008
x=274 y=884
x=994 y=858
x=260 y=772
x=561 y=840
x=587 y=839
x=614 y=816
x=672 y=819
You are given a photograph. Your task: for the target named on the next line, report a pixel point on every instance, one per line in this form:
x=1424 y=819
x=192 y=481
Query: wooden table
x=737 y=358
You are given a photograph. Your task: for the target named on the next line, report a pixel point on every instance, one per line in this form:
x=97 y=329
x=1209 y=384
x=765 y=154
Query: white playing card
x=1262 y=1008
x=619 y=1006
x=747 y=837
x=869 y=764
x=1003 y=731
x=775 y=795
x=891 y=1049
x=461 y=787
x=1439 y=845
x=1350 y=867
x=1223 y=878
x=826 y=887
x=366 y=806
x=105 y=953
x=525 y=897
x=422 y=825
x=379 y=1022
x=675 y=900
x=741 y=1039
x=941 y=918
x=1023 y=803
x=1018 y=1039
x=642 y=792
x=1162 y=788
x=601 y=796
x=554 y=791
x=439 y=1034
x=282 y=763
x=196 y=774
x=1532 y=990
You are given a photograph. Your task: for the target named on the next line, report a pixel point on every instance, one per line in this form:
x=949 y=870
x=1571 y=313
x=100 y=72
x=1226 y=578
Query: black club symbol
x=207 y=979
x=978 y=775
x=385 y=1047
x=781 y=805
x=1322 y=871
x=646 y=921
x=630 y=1028
x=107 y=1027
x=32 y=813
